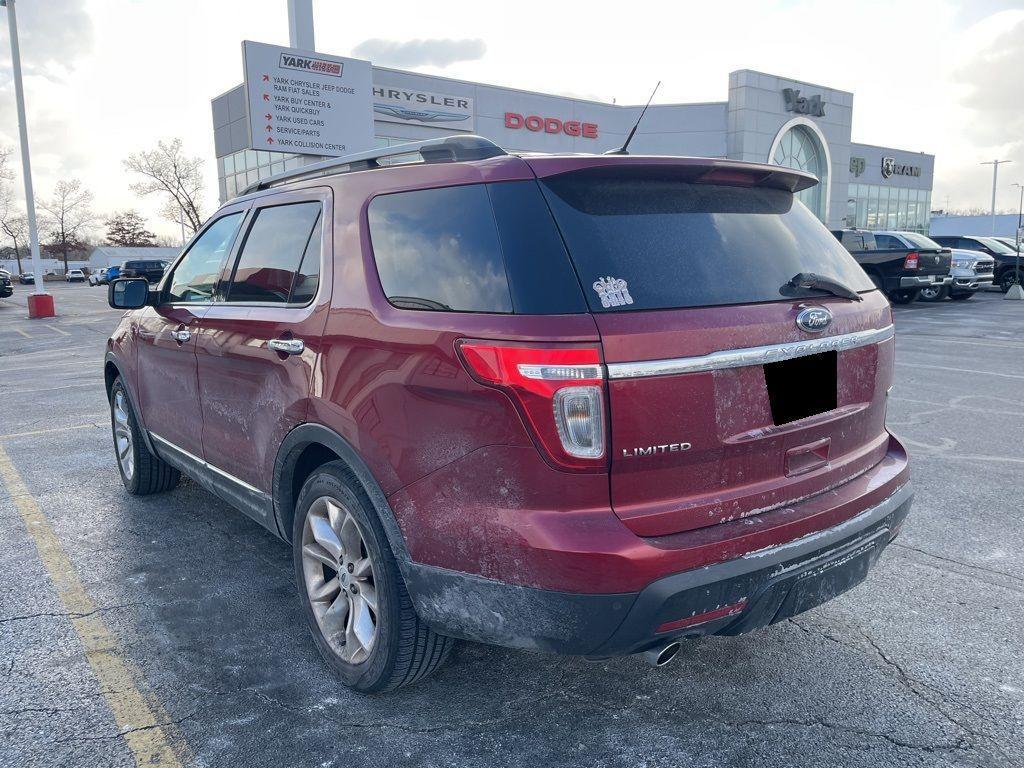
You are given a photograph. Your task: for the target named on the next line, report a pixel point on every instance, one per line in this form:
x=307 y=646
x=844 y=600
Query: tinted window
x=887 y=242
x=997 y=247
x=439 y=249
x=196 y=274
x=676 y=244
x=273 y=251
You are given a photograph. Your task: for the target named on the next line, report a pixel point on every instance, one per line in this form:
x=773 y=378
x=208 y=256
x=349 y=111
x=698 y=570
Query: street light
x=40 y=303
x=1016 y=291
x=995 y=174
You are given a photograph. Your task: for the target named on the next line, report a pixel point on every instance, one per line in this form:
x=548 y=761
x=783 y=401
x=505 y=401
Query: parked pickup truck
x=899 y=263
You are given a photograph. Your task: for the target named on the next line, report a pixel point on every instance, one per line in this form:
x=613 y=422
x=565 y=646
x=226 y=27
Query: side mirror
x=128 y=293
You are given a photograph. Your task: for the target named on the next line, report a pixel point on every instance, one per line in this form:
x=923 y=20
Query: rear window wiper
x=822 y=283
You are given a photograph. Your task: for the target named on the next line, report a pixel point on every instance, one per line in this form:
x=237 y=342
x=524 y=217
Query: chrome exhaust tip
x=660 y=655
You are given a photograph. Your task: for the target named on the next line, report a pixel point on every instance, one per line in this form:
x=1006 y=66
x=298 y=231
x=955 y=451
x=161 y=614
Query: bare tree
x=68 y=216
x=12 y=223
x=168 y=172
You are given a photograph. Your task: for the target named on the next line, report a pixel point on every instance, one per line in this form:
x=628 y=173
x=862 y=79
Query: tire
x=933 y=293
x=906 y=296
x=961 y=296
x=1007 y=278
x=402 y=649
x=145 y=473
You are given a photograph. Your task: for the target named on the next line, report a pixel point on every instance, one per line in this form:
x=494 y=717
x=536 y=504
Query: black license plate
x=828 y=580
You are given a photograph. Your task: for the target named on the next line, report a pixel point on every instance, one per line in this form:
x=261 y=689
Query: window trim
x=165 y=282
x=230 y=267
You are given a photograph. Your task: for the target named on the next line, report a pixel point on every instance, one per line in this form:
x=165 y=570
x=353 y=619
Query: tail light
x=559 y=390
x=911 y=261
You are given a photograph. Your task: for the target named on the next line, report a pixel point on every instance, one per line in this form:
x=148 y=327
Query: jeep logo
x=814 y=319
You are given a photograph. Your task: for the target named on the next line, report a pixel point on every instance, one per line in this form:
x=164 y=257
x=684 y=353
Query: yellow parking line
x=58 y=330
x=143 y=723
x=33 y=433
x=18 y=330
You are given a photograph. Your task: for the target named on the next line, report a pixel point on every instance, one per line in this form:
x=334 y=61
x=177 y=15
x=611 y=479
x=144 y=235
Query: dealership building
x=765 y=118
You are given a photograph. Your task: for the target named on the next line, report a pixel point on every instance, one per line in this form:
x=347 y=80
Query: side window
x=196 y=275
x=279 y=255
x=438 y=249
x=887 y=242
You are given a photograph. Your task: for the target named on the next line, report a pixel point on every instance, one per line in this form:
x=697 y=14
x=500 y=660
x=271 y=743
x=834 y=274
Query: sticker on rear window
x=613 y=291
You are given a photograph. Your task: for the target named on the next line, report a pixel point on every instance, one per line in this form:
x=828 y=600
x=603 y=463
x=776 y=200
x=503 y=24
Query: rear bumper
x=923 y=281
x=731 y=596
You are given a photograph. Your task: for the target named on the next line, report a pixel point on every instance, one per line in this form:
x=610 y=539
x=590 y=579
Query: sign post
x=40 y=303
x=1016 y=292
x=307 y=103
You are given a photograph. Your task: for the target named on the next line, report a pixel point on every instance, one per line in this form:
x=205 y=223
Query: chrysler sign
x=411 y=107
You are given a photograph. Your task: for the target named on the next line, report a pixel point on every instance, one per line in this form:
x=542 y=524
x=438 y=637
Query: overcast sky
x=108 y=77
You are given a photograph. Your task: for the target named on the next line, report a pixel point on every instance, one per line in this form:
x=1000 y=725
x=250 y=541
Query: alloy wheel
x=123 y=436
x=339 y=579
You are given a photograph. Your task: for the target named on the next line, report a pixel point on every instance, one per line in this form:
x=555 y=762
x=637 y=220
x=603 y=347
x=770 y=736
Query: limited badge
x=613 y=291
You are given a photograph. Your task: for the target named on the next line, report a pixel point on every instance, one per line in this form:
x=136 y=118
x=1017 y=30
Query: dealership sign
x=307 y=103
x=892 y=168
x=800 y=105
x=539 y=124
x=412 y=107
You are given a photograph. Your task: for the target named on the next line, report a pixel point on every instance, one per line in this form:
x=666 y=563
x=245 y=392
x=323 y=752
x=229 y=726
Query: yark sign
x=800 y=105
x=307 y=103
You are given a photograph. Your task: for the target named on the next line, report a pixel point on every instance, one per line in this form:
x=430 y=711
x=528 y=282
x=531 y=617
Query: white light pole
x=1016 y=291
x=300 y=24
x=40 y=304
x=995 y=175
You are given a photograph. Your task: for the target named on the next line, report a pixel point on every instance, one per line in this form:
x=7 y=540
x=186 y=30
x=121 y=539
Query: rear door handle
x=181 y=335
x=287 y=346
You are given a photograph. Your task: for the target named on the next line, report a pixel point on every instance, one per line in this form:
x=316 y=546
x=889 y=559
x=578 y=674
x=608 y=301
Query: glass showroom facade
x=874 y=206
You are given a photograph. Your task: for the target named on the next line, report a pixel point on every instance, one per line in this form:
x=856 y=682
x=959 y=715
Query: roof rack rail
x=449 y=149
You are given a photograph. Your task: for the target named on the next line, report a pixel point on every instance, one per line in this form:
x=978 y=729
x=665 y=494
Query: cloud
x=991 y=77
x=52 y=36
x=434 y=52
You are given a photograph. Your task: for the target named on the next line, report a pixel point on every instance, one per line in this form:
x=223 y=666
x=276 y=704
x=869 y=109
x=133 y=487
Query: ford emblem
x=814 y=319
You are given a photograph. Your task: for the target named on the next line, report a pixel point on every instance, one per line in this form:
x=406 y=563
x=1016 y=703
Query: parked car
x=6 y=286
x=585 y=404
x=151 y=269
x=1010 y=242
x=99 y=277
x=113 y=272
x=1005 y=257
x=971 y=272
x=27 y=278
x=75 y=276
x=899 y=263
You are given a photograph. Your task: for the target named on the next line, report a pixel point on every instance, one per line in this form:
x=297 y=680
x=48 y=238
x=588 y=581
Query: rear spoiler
x=696 y=170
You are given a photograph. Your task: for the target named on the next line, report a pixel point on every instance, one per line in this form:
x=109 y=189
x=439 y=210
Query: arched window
x=799 y=148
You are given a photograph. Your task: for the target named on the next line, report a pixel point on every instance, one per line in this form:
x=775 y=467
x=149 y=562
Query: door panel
x=259 y=344
x=168 y=387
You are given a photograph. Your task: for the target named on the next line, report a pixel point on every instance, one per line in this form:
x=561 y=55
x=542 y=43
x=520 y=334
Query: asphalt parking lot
x=171 y=621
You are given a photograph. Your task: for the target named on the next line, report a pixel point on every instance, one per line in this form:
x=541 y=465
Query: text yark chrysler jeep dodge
x=587 y=404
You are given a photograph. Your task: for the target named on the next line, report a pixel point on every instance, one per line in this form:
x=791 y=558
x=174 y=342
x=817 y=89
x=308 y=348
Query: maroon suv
x=584 y=404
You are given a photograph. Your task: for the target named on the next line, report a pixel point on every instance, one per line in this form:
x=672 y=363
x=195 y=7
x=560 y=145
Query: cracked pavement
x=923 y=665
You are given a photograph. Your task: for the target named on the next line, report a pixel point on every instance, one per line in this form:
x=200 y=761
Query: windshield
x=647 y=242
x=919 y=240
x=997 y=246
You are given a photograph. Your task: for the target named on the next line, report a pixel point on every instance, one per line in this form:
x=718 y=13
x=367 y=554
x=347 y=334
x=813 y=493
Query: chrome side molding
x=737 y=358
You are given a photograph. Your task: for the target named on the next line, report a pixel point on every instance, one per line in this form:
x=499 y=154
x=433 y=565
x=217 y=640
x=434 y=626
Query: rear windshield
x=643 y=242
